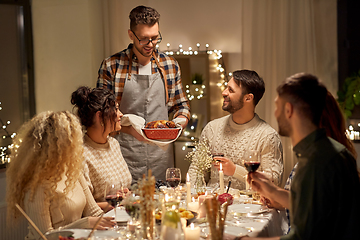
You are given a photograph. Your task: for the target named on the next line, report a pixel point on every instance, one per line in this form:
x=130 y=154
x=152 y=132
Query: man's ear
x=288 y=110
x=131 y=35
x=249 y=97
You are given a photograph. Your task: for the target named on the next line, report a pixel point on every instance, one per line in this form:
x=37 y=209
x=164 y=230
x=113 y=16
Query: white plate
x=98 y=234
x=247 y=208
x=121 y=215
x=232 y=230
x=55 y=234
x=253 y=226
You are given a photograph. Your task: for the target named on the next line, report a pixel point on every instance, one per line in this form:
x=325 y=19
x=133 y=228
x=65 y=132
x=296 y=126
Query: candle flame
x=220 y=166
x=192 y=225
x=187 y=177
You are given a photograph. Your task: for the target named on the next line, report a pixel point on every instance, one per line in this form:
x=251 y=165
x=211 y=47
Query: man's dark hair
x=143 y=15
x=306 y=93
x=250 y=82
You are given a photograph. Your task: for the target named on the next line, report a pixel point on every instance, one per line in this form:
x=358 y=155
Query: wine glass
x=173 y=177
x=132 y=207
x=251 y=160
x=113 y=195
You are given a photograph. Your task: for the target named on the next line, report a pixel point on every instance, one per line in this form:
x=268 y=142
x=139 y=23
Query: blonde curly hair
x=47 y=147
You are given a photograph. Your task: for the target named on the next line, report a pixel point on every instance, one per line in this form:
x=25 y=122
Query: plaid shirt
x=113 y=72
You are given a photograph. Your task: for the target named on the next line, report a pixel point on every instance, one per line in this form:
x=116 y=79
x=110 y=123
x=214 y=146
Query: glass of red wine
x=251 y=161
x=173 y=177
x=113 y=195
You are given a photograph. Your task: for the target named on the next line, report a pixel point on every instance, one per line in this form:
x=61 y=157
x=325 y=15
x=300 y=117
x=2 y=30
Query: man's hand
x=228 y=166
x=182 y=120
x=262 y=184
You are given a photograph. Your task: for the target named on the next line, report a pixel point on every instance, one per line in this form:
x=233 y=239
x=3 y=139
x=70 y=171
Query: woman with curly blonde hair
x=45 y=176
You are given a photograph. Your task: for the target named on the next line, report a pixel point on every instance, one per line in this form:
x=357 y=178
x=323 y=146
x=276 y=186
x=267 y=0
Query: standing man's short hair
x=143 y=15
x=306 y=93
x=250 y=82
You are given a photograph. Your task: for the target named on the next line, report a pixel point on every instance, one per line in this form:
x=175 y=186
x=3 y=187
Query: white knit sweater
x=225 y=136
x=104 y=164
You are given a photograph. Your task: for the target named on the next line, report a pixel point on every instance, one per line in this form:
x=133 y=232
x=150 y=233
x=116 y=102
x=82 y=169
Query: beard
x=142 y=51
x=284 y=126
x=232 y=107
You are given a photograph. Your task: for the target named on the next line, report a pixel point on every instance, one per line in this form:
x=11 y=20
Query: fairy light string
x=5 y=150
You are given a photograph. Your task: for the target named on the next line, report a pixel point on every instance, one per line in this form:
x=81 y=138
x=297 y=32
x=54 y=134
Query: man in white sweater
x=242 y=130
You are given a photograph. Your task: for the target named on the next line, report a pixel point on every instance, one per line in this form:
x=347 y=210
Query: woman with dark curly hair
x=45 y=176
x=104 y=164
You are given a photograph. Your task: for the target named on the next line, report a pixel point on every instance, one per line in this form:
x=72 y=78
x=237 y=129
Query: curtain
x=284 y=37
x=276 y=38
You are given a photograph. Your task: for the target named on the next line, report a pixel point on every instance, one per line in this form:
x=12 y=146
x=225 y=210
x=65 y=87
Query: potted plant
x=349 y=94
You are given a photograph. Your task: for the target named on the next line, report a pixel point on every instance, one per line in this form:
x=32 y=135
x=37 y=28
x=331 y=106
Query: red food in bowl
x=222 y=198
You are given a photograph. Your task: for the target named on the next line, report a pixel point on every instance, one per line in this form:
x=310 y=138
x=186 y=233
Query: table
x=242 y=219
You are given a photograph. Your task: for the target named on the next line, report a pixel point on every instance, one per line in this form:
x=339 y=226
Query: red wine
x=132 y=209
x=113 y=200
x=173 y=182
x=252 y=166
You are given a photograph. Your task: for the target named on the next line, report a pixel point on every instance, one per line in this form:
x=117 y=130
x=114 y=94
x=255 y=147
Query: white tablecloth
x=242 y=219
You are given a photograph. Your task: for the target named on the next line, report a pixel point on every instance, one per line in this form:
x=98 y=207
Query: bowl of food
x=190 y=216
x=161 y=130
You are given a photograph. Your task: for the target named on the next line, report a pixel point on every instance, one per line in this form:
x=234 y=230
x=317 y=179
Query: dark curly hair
x=89 y=101
x=143 y=15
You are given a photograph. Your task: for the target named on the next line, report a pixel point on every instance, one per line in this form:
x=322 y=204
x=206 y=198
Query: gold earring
x=102 y=124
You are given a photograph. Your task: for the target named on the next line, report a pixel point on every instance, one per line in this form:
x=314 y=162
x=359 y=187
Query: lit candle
x=188 y=189
x=192 y=232
x=193 y=206
x=221 y=179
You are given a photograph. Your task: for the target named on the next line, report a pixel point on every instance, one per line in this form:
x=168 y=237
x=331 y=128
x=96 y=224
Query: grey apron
x=144 y=95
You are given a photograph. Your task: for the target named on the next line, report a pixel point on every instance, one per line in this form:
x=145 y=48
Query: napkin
x=138 y=123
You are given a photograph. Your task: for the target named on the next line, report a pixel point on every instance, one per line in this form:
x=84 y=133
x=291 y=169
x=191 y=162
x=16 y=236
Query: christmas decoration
x=5 y=150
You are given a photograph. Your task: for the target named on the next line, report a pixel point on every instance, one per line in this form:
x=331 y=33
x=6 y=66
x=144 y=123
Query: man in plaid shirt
x=146 y=83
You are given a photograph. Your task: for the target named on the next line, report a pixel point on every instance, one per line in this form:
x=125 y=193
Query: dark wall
x=348 y=13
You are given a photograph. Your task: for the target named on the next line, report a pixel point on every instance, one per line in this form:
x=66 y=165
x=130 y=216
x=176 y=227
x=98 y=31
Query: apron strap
x=162 y=73
x=130 y=64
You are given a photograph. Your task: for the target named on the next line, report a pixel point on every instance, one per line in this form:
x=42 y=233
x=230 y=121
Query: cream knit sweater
x=225 y=136
x=104 y=164
x=73 y=212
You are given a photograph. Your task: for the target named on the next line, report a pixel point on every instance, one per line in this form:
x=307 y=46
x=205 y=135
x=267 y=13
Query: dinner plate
x=232 y=230
x=121 y=215
x=98 y=234
x=253 y=226
x=55 y=234
x=248 y=208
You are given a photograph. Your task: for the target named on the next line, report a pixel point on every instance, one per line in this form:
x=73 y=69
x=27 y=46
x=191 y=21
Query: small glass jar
x=171 y=225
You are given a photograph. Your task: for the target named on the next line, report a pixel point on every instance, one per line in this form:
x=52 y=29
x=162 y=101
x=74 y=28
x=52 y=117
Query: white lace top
x=231 y=139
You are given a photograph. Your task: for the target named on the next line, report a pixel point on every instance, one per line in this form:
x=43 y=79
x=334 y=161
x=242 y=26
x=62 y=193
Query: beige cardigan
x=73 y=212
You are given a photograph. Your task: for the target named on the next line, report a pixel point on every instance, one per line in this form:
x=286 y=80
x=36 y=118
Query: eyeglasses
x=147 y=41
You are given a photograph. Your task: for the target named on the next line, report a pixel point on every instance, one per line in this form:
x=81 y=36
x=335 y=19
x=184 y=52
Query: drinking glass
x=173 y=177
x=251 y=160
x=113 y=195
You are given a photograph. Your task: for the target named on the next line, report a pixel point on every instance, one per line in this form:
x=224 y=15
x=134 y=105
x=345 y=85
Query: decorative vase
x=200 y=184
